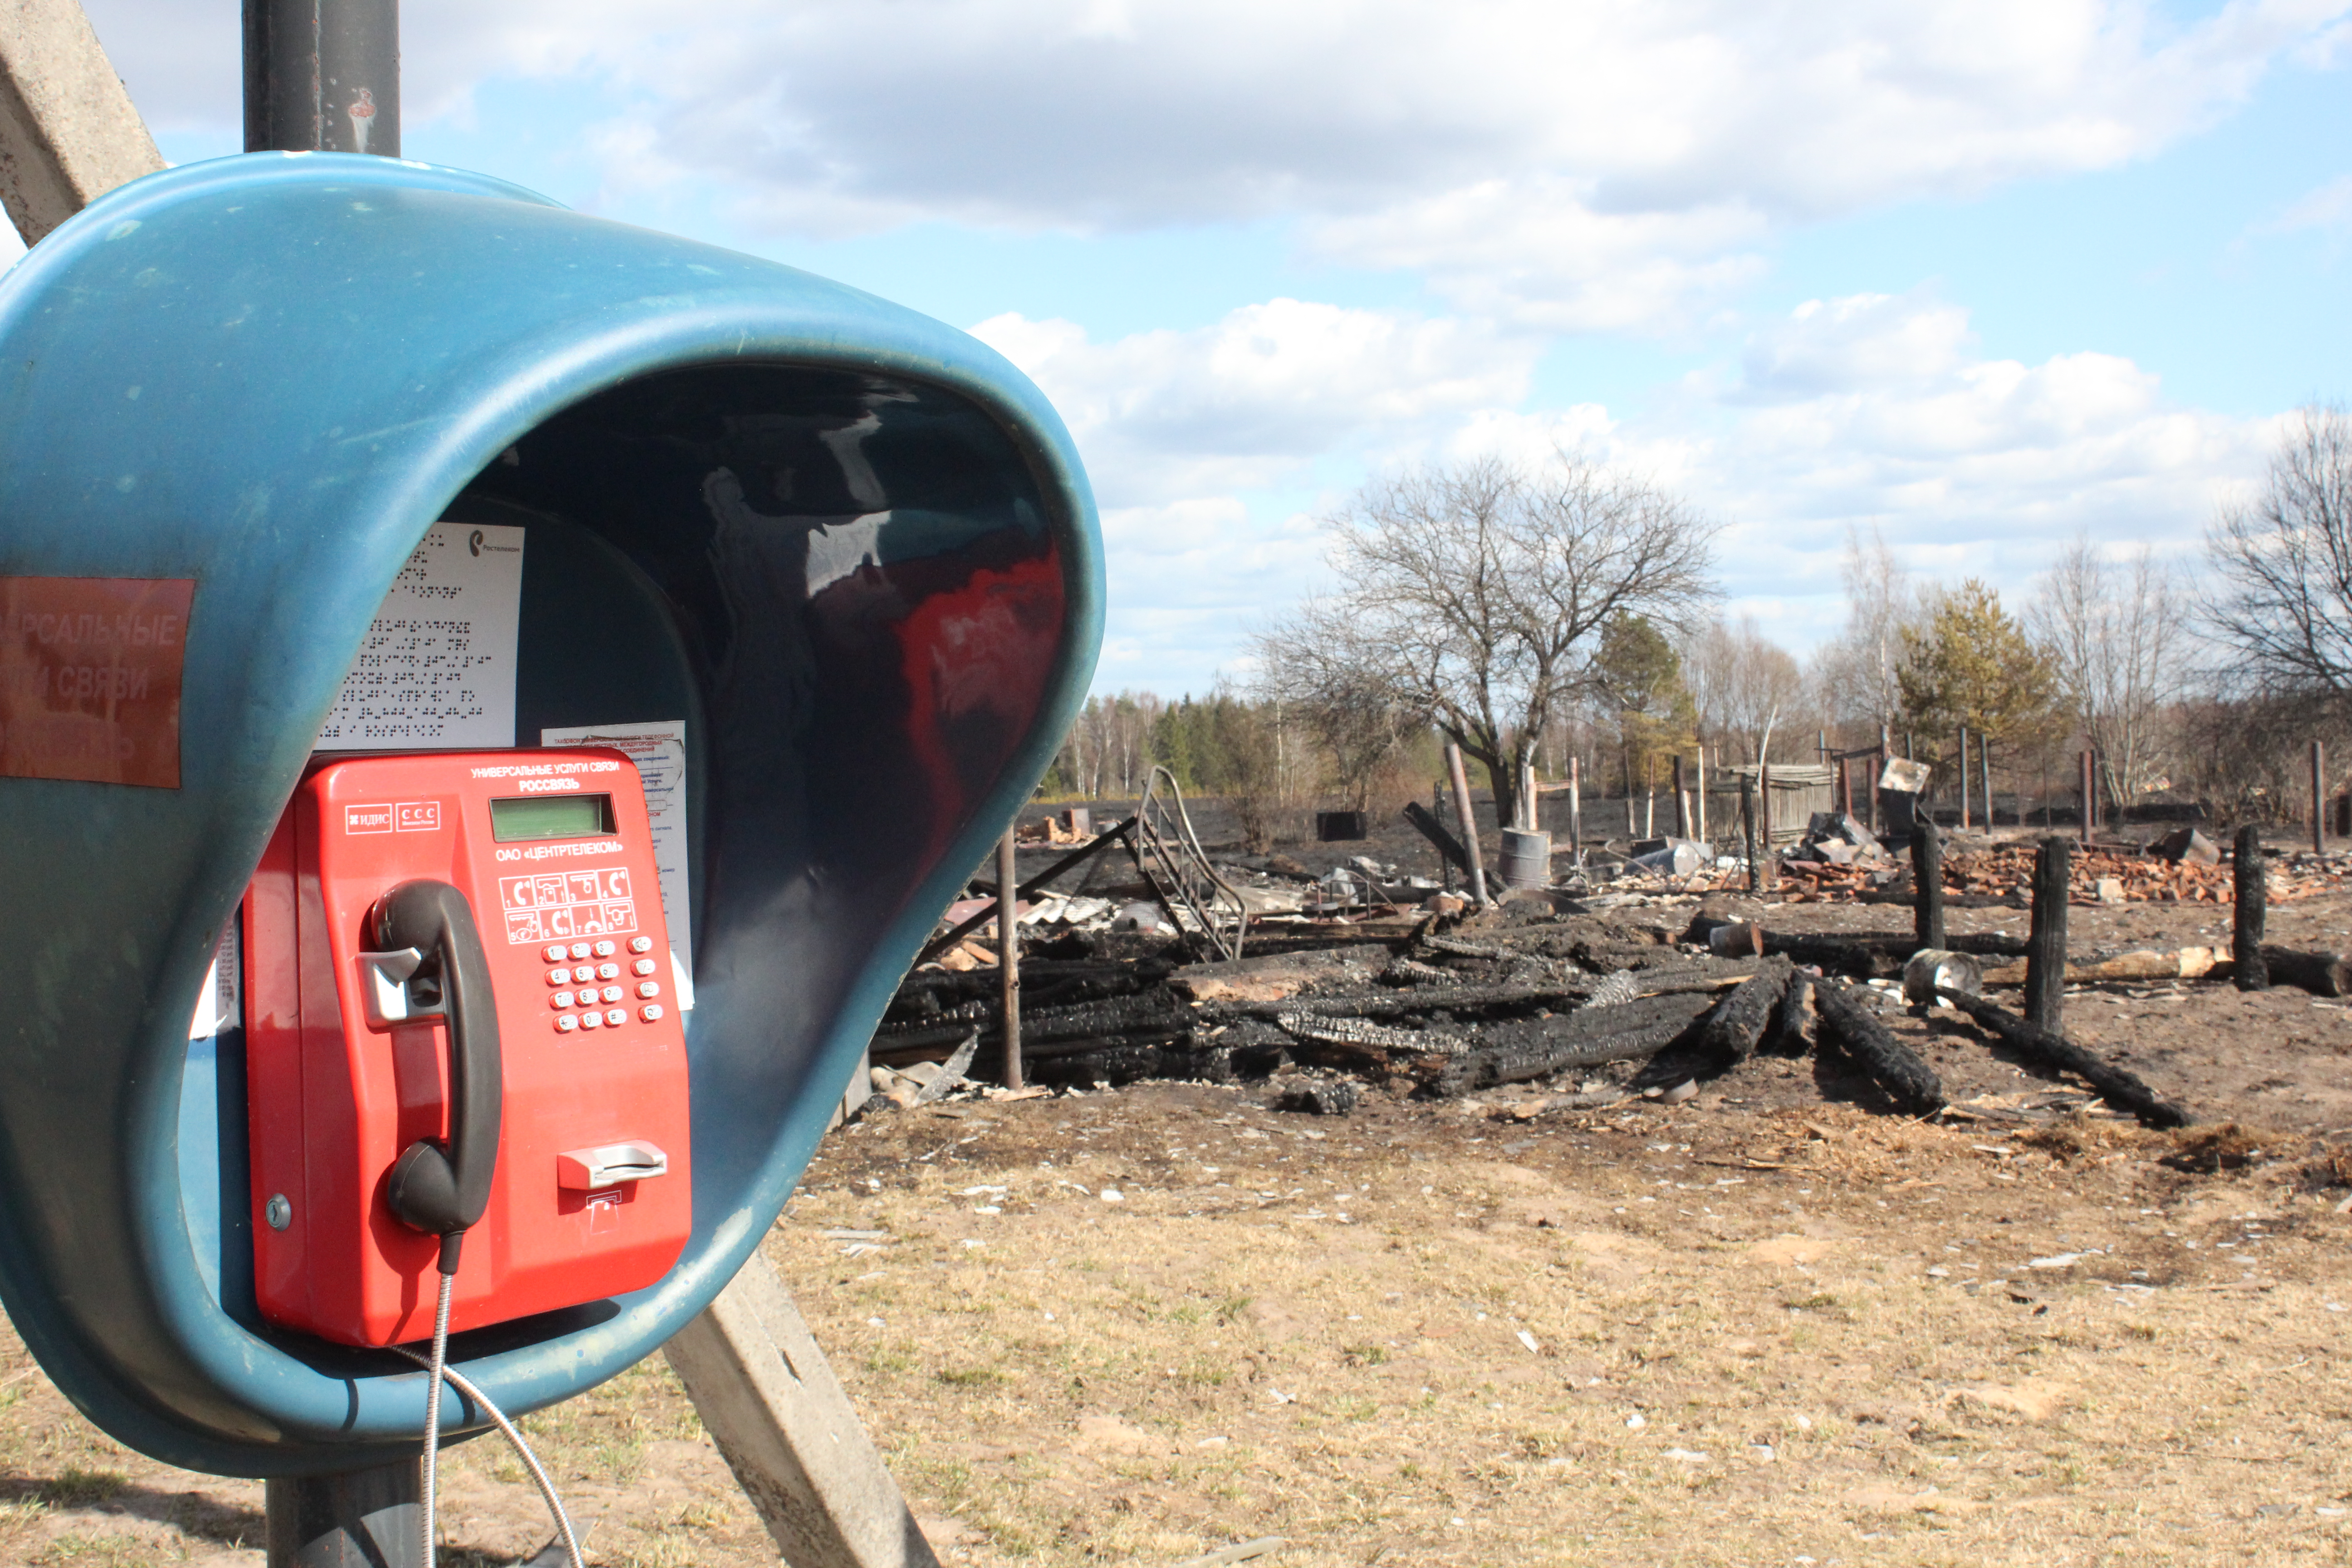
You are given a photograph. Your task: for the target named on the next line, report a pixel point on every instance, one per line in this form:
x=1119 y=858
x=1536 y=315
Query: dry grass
x=1759 y=1337
x=1854 y=1357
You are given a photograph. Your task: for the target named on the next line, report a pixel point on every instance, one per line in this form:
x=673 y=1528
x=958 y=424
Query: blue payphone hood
x=268 y=375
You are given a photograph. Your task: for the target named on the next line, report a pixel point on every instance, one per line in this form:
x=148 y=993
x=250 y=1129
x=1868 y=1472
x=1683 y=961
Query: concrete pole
x=68 y=133
x=1466 y=815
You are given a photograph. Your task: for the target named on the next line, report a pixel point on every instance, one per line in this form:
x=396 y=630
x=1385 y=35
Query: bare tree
x=2282 y=602
x=1474 y=596
x=1859 y=674
x=1740 y=681
x=2116 y=636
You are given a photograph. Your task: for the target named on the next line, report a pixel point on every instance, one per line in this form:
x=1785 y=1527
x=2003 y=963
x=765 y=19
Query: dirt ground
x=1772 y=1324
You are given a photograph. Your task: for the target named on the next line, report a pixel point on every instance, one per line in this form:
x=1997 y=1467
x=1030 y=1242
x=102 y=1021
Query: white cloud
x=1578 y=165
x=2327 y=209
x=1248 y=402
x=1873 y=412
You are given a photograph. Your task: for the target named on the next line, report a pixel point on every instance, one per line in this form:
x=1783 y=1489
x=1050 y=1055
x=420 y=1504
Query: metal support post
x=322 y=76
x=358 y=1519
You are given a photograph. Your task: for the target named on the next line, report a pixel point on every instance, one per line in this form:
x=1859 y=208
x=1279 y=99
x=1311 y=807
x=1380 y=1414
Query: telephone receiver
x=431 y=964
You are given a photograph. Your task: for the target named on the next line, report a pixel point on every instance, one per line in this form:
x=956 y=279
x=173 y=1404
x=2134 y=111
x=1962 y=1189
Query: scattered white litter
x=2057 y=1260
x=1281 y=1398
x=1636 y=1421
x=1528 y=1340
x=1113 y=1195
x=1687 y=1455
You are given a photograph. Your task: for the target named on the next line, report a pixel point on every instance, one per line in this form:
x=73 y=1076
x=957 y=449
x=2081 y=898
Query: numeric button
x=565 y=1023
x=651 y=1013
x=641 y=944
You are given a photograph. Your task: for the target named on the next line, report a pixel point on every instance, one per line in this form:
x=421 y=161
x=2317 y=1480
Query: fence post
x=1699 y=796
x=2045 y=941
x=1682 y=801
x=1964 y=778
x=2318 y=801
x=1008 y=954
x=1576 y=809
x=2252 y=889
x=1748 y=831
x=1984 y=752
x=2090 y=799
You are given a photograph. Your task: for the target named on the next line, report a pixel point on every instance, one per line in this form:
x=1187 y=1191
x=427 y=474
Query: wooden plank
x=767 y=1396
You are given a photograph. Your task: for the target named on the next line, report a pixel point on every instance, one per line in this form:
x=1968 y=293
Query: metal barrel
x=1525 y=860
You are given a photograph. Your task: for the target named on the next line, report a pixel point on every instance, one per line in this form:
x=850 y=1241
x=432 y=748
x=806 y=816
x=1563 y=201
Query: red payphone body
x=456 y=970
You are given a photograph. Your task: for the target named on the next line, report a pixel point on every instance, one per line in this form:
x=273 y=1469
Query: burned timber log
x=2321 y=973
x=1737 y=1025
x=1892 y=1064
x=2119 y=1088
x=1788 y=1017
x=1531 y=1049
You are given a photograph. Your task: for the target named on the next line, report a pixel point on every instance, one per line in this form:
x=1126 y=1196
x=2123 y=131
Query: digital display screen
x=551 y=817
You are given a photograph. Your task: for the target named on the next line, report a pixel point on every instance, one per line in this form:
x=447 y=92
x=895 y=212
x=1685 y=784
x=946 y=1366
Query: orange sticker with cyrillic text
x=89 y=678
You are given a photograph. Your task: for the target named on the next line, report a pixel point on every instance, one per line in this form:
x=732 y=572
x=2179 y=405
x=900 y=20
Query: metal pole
x=358 y=1519
x=1984 y=752
x=1008 y=954
x=2090 y=802
x=322 y=76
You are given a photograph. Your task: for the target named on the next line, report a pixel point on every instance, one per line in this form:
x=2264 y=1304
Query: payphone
x=831 y=564
x=459 y=1014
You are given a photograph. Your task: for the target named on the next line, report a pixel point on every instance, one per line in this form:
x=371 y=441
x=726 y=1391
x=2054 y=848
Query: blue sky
x=1980 y=274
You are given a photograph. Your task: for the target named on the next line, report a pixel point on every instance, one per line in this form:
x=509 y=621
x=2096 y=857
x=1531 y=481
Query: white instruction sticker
x=437 y=669
x=659 y=751
x=221 y=1004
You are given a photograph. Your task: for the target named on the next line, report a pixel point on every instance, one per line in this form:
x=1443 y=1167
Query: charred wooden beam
x=2122 y=1089
x=1422 y=818
x=1927 y=883
x=2251 y=881
x=2321 y=973
x=1788 y=1017
x=1540 y=1047
x=1737 y=1023
x=2045 y=945
x=1892 y=1064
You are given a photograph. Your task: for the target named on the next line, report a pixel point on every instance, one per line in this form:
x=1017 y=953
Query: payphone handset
x=460 y=1026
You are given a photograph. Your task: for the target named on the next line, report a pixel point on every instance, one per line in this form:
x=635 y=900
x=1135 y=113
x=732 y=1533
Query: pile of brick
x=2099 y=876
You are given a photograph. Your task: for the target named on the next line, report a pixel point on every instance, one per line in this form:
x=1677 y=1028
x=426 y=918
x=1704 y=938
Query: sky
x=1985 y=275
